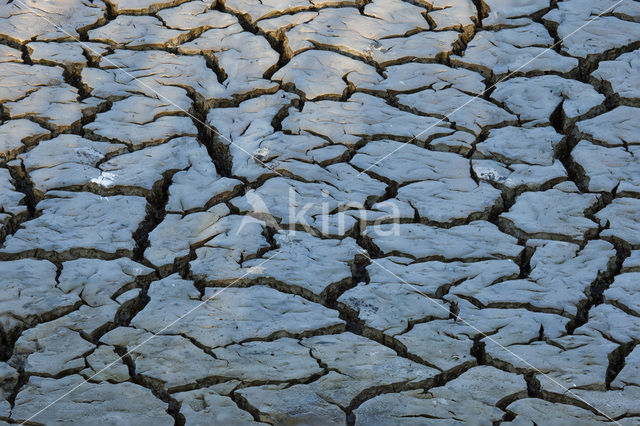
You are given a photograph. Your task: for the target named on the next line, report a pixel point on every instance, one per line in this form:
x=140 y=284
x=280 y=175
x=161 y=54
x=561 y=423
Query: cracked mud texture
x=465 y=240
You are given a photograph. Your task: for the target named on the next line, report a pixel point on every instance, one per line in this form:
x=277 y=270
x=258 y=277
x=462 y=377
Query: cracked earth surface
x=148 y=153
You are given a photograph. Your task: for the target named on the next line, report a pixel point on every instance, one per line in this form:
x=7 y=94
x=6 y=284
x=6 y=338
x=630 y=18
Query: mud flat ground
x=320 y=212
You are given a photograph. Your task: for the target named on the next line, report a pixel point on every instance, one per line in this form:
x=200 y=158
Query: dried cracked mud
x=464 y=245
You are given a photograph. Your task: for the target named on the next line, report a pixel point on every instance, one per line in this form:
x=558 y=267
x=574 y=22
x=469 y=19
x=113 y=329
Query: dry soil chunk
x=472 y=397
x=605 y=320
x=622 y=219
x=327 y=263
x=261 y=9
x=620 y=75
x=151 y=72
x=40 y=92
x=538 y=411
x=140 y=120
x=245 y=128
x=451 y=202
x=467 y=112
x=460 y=15
x=105 y=365
x=559 y=281
x=278 y=404
x=99 y=281
x=478 y=240
x=104 y=403
x=536 y=145
x=11 y=201
x=305 y=204
x=51 y=351
x=72 y=222
x=613 y=403
x=201 y=407
x=30 y=294
x=425 y=46
x=347 y=30
x=495 y=328
x=599 y=33
x=9 y=54
x=551 y=214
x=66 y=161
x=194 y=229
x=632 y=263
x=415 y=75
x=360 y=117
x=406 y=163
x=19 y=80
x=358 y=364
x=605 y=169
x=622 y=291
x=519 y=50
x=240 y=238
x=56 y=107
x=323 y=73
x=199 y=187
x=508 y=12
x=16 y=135
x=618 y=127
x=61 y=20
x=108 y=288
x=141 y=170
x=573 y=361
x=630 y=373
x=243 y=57
x=534 y=99
x=513 y=179
x=398 y=295
x=68 y=55
x=177 y=363
x=195 y=14
x=141 y=7
x=236 y=314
